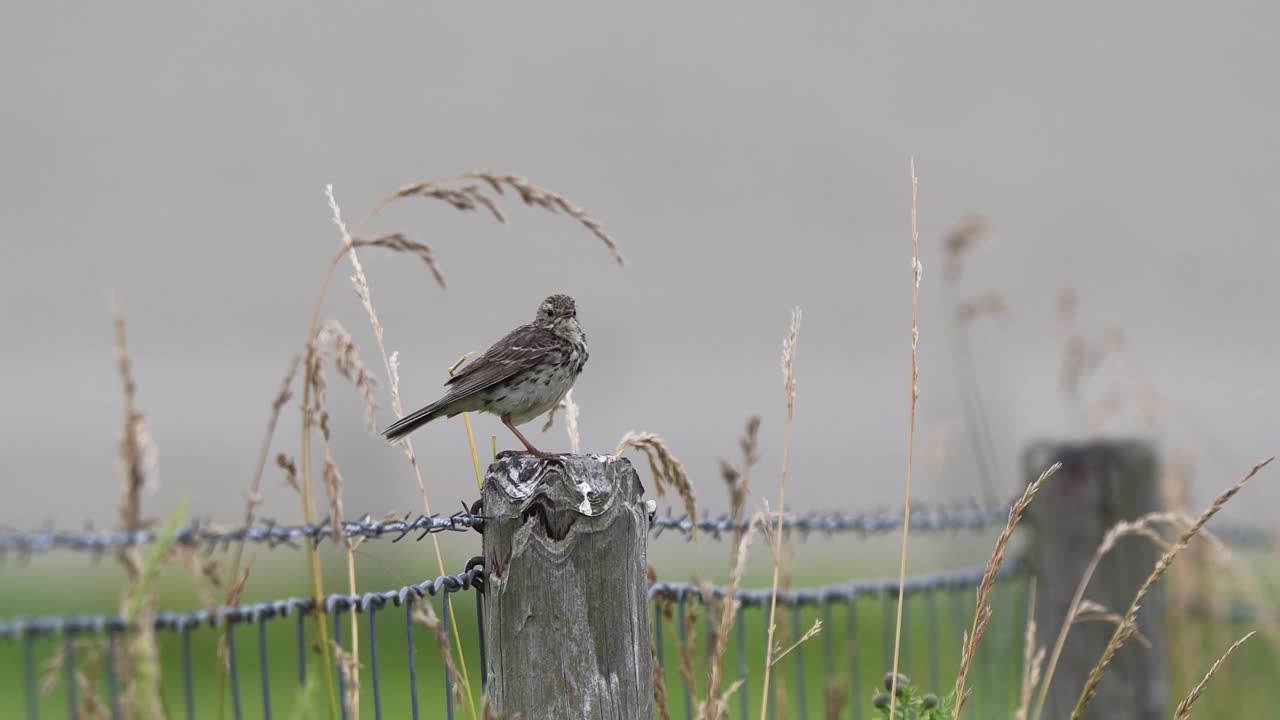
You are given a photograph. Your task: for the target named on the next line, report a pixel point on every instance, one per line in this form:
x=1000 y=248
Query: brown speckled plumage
x=520 y=377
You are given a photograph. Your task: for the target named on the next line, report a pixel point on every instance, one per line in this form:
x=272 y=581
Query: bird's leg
x=529 y=448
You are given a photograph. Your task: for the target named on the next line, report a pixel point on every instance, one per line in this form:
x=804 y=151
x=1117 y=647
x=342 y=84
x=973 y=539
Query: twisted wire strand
x=472 y=577
x=924 y=519
x=843 y=593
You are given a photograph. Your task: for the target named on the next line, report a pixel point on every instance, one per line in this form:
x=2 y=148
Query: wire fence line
x=866 y=605
x=924 y=518
x=63 y=631
x=24 y=544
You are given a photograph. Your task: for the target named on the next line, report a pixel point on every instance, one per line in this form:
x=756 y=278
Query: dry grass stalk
x=346 y=358
x=689 y=647
x=1144 y=526
x=471 y=197
x=425 y=615
x=90 y=658
x=666 y=469
x=982 y=613
x=135 y=443
x=391 y=362
x=139 y=660
x=333 y=487
x=349 y=667
x=916 y=271
x=206 y=572
x=716 y=704
x=1127 y=628
x=659 y=677
x=570 y=409
x=354 y=691
x=253 y=496
x=1184 y=708
x=789 y=387
x=1091 y=611
x=286 y=463
x=1032 y=658
x=808 y=634
x=399 y=242
x=837 y=698
x=963 y=237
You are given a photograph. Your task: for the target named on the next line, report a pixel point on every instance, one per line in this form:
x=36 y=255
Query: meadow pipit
x=522 y=376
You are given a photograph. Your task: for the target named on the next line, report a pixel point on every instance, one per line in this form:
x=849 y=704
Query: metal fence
x=853 y=650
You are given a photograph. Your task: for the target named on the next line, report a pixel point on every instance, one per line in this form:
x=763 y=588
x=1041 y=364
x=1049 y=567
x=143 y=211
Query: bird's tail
x=413 y=421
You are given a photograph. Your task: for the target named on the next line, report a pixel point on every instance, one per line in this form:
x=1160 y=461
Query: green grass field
x=843 y=655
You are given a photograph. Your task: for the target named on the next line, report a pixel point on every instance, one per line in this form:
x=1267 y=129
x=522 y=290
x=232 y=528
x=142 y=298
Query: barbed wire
x=970 y=517
x=924 y=518
x=843 y=593
x=210 y=536
x=471 y=577
x=271 y=533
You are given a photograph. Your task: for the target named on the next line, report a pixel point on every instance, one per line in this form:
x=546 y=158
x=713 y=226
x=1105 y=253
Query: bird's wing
x=520 y=350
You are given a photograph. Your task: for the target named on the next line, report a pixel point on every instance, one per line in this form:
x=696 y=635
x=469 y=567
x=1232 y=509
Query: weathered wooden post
x=566 y=598
x=1101 y=483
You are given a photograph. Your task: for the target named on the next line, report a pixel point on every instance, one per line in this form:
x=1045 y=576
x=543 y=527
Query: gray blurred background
x=748 y=157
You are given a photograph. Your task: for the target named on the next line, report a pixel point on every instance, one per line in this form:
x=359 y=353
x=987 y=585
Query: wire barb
x=925 y=518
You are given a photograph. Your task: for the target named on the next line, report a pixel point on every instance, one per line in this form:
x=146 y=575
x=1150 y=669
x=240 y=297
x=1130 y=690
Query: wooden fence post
x=566 y=597
x=1101 y=482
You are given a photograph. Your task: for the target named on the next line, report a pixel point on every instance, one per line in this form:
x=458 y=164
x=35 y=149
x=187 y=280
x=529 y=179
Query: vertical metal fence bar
x=448 y=632
x=935 y=671
x=263 y=675
x=484 y=661
x=828 y=657
x=989 y=650
x=904 y=650
x=771 y=698
x=372 y=609
x=802 y=687
x=188 y=682
x=1011 y=651
x=342 y=681
x=235 y=675
x=682 y=633
x=300 y=630
x=413 y=662
x=29 y=675
x=113 y=685
x=888 y=620
x=743 y=697
x=958 y=618
x=69 y=675
x=1018 y=590
x=659 y=648
x=855 y=682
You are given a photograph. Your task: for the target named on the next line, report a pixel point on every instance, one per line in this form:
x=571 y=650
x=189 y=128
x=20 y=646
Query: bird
x=520 y=377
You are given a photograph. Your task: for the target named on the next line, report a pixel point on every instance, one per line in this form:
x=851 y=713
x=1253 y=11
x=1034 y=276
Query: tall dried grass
x=916 y=271
x=1128 y=627
x=1183 y=710
x=139 y=657
x=789 y=388
x=471 y=197
x=360 y=282
x=667 y=470
x=982 y=611
x=737 y=483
